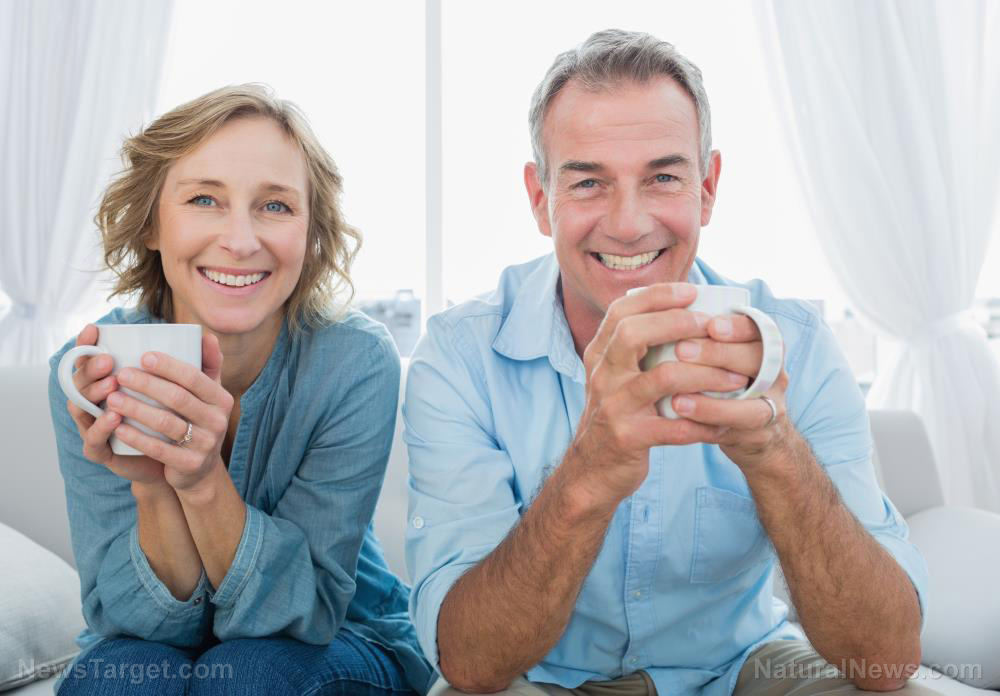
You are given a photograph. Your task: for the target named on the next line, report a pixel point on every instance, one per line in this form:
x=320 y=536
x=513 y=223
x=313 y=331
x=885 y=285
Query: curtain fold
x=892 y=115
x=75 y=79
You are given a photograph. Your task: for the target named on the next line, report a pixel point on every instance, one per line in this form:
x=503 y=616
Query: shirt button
x=637 y=594
x=197 y=600
x=633 y=660
x=418 y=522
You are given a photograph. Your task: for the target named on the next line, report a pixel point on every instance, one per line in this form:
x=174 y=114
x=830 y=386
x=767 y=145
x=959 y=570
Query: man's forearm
x=507 y=612
x=166 y=540
x=853 y=599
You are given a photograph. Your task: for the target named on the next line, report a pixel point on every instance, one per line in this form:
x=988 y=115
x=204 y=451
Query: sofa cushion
x=963 y=612
x=39 y=611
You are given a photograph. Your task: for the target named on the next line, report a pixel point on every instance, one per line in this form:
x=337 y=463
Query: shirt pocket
x=728 y=536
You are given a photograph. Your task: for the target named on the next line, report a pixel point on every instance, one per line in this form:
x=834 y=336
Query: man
x=563 y=538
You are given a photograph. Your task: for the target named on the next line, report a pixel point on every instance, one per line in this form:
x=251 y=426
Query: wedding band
x=188 y=436
x=774 y=411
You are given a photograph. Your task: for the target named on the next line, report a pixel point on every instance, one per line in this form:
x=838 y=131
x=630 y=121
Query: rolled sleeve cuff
x=246 y=558
x=426 y=606
x=172 y=607
x=910 y=560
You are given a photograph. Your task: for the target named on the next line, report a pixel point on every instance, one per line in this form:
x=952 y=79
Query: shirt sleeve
x=462 y=499
x=828 y=409
x=294 y=570
x=120 y=593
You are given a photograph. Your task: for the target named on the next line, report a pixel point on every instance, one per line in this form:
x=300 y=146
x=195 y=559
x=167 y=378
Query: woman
x=239 y=559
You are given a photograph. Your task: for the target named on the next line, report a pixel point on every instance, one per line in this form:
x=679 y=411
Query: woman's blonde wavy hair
x=127 y=216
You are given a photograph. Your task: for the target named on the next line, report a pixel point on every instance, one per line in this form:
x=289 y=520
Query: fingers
x=95 y=438
x=156 y=419
x=673 y=378
x=87 y=337
x=665 y=431
x=743 y=358
x=155 y=448
x=742 y=414
x=211 y=356
x=734 y=328
x=170 y=394
x=635 y=334
x=655 y=298
x=165 y=370
x=92 y=368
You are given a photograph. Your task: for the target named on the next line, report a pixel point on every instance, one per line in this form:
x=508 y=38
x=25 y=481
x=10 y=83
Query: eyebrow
x=658 y=163
x=215 y=183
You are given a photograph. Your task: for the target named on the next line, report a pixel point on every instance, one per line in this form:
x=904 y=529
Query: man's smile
x=627 y=263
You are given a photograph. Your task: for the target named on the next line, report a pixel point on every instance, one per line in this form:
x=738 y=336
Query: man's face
x=624 y=201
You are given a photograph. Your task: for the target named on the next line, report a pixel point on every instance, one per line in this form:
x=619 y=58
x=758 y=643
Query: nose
x=628 y=220
x=239 y=237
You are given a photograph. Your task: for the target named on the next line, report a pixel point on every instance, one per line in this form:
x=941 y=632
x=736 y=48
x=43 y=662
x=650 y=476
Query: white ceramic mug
x=126 y=344
x=715 y=300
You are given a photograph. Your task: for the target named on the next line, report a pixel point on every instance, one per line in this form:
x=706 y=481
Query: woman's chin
x=234 y=324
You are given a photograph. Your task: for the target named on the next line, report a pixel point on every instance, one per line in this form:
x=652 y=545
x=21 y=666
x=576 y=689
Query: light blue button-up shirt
x=683 y=585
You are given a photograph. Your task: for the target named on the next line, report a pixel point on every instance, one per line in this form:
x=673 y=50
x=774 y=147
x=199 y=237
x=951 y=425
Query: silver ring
x=189 y=435
x=774 y=411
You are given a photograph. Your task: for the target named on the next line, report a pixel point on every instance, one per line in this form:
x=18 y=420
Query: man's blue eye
x=275 y=207
x=587 y=183
x=665 y=178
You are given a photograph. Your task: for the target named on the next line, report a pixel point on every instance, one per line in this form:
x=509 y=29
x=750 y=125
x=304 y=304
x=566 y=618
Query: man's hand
x=734 y=344
x=610 y=453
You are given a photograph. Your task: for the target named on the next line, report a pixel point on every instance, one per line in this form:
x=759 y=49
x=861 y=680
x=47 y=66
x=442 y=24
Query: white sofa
x=32 y=501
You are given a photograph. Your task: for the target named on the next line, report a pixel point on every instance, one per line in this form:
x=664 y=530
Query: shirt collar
x=536 y=326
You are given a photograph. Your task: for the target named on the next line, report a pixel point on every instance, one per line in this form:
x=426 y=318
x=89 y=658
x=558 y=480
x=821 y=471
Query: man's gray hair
x=612 y=57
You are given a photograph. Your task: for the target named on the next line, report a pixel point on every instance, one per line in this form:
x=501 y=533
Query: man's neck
x=583 y=320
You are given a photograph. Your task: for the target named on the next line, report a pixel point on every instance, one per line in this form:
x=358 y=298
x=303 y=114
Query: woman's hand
x=196 y=395
x=93 y=379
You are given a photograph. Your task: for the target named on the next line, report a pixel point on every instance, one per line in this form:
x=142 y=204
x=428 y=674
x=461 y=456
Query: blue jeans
x=349 y=666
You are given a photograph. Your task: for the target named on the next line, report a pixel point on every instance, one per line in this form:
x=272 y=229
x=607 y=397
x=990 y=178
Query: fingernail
x=149 y=360
x=684 y=290
x=737 y=378
x=115 y=399
x=688 y=349
x=113 y=418
x=125 y=375
x=103 y=361
x=723 y=327
x=683 y=404
x=701 y=319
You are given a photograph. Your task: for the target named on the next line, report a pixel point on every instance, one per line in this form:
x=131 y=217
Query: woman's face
x=232 y=225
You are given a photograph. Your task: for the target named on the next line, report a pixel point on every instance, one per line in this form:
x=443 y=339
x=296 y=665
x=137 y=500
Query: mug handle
x=771 y=361
x=65 y=375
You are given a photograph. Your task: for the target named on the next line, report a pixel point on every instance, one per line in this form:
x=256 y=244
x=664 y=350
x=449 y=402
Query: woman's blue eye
x=276 y=207
x=202 y=200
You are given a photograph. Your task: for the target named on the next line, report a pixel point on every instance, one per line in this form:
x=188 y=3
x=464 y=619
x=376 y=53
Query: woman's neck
x=244 y=355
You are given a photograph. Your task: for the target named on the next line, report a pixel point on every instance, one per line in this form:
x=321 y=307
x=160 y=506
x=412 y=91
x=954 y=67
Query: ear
x=152 y=241
x=709 y=186
x=537 y=198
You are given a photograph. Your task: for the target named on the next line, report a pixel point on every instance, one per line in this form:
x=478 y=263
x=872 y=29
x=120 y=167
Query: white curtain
x=76 y=76
x=892 y=111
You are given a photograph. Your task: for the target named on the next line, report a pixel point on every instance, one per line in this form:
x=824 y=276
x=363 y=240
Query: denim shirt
x=308 y=459
x=683 y=584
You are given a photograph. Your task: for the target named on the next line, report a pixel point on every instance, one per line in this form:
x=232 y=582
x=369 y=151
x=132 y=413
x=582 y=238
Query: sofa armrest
x=963 y=609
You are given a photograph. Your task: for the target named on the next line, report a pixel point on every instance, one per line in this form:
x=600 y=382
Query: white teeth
x=233 y=281
x=627 y=263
